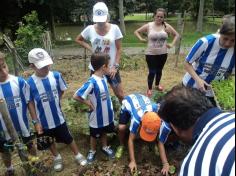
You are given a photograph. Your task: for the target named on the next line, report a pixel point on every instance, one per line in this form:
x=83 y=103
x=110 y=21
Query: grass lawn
x=67 y=33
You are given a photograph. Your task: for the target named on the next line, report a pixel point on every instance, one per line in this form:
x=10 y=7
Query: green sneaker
x=119 y=152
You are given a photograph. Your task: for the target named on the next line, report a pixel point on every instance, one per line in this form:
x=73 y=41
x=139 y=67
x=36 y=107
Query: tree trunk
x=121 y=16
x=52 y=22
x=200 y=16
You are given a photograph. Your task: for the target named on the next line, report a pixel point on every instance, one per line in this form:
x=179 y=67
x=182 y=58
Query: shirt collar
x=203 y=120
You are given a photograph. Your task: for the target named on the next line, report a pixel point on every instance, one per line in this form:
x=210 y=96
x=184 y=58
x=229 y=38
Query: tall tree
x=200 y=16
x=121 y=15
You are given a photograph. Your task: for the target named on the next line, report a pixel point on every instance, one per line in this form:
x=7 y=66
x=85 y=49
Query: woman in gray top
x=158 y=32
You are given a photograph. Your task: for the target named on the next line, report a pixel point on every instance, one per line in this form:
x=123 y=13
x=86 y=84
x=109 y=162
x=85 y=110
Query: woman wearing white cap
x=104 y=38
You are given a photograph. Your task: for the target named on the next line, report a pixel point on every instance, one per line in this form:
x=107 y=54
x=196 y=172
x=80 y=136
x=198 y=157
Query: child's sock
x=58 y=157
x=79 y=155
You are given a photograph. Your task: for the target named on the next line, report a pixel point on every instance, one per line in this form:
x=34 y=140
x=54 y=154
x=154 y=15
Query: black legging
x=155 y=65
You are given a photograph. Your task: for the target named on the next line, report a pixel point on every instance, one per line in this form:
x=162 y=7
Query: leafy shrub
x=128 y=63
x=225 y=93
x=29 y=35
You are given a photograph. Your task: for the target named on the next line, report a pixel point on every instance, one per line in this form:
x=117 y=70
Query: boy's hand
x=38 y=128
x=90 y=105
x=133 y=166
x=165 y=169
x=202 y=85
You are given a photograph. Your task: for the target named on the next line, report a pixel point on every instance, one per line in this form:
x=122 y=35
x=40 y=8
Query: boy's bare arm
x=86 y=102
x=164 y=160
x=32 y=111
x=132 y=164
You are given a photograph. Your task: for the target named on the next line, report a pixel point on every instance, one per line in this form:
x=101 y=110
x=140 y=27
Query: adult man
x=211 y=131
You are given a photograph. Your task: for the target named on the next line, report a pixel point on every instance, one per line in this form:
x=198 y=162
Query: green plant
x=225 y=93
x=128 y=63
x=29 y=35
x=157 y=96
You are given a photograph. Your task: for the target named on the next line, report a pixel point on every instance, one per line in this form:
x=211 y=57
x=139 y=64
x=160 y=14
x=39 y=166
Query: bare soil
x=147 y=157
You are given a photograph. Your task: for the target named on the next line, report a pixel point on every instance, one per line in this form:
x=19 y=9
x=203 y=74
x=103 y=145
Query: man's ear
x=176 y=130
x=184 y=135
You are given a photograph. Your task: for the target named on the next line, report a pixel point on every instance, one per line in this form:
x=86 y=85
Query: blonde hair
x=2 y=56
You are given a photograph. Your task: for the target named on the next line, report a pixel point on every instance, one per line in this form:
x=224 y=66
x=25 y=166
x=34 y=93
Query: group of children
x=41 y=95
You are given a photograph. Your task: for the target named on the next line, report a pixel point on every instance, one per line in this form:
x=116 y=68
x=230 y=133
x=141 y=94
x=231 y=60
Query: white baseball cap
x=100 y=12
x=39 y=57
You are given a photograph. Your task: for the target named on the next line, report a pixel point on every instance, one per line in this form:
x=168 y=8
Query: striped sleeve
x=85 y=90
x=164 y=132
x=25 y=89
x=213 y=153
x=31 y=95
x=197 y=50
x=60 y=81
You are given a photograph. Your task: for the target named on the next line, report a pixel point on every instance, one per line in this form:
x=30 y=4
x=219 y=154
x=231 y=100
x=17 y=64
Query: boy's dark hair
x=182 y=106
x=228 y=25
x=98 y=60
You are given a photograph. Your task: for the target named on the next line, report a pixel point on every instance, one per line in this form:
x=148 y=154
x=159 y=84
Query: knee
x=122 y=128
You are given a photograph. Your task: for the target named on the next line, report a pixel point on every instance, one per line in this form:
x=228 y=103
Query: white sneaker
x=58 y=164
x=80 y=159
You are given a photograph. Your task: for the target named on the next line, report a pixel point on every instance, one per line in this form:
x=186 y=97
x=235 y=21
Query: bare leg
x=53 y=149
x=121 y=134
x=118 y=91
x=74 y=147
x=104 y=140
x=93 y=143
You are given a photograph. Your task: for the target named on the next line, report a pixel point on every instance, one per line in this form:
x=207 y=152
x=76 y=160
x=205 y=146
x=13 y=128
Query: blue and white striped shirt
x=210 y=60
x=213 y=152
x=96 y=90
x=46 y=92
x=137 y=105
x=15 y=91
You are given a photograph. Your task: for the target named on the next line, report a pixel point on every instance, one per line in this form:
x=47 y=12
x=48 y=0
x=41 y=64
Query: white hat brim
x=99 y=19
x=43 y=63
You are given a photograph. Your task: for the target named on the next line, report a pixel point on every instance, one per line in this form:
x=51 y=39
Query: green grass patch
x=225 y=93
x=66 y=34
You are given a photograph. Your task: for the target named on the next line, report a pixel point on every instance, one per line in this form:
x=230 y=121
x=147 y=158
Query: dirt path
x=77 y=51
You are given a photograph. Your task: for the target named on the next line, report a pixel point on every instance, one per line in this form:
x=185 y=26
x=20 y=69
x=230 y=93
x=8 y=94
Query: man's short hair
x=98 y=60
x=182 y=106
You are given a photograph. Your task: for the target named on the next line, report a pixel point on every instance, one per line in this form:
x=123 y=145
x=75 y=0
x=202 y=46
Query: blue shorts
x=124 y=118
x=97 y=132
x=61 y=134
x=115 y=81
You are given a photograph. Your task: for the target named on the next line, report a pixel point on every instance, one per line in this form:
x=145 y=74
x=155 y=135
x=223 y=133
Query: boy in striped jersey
x=101 y=118
x=46 y=90
x=141 y=113
x=210 y=130
x=15 y=91
x=212 y=58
